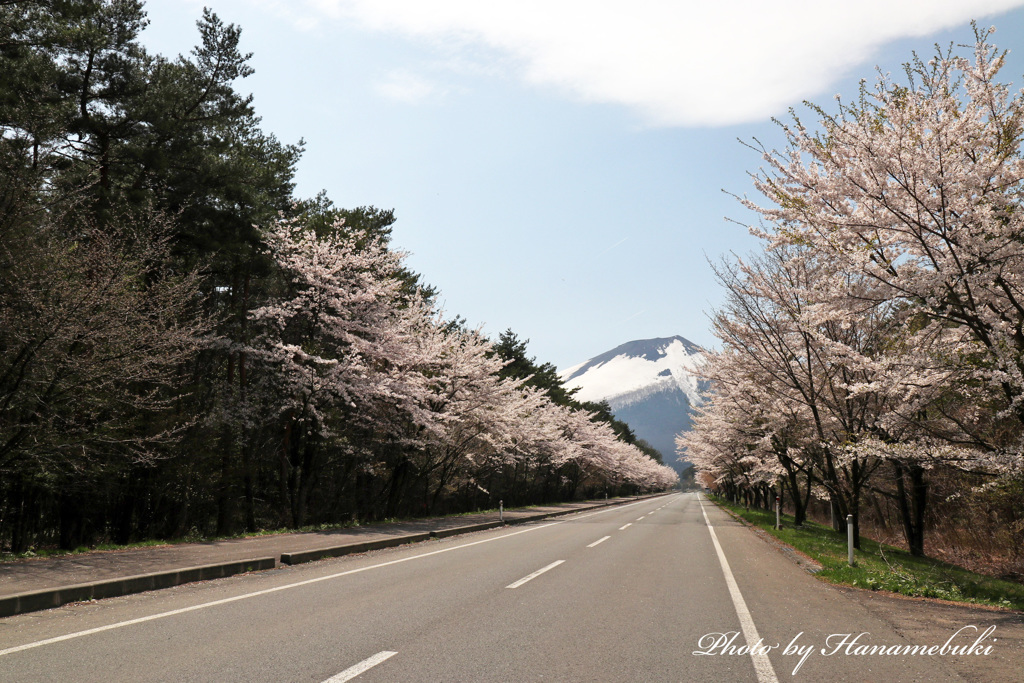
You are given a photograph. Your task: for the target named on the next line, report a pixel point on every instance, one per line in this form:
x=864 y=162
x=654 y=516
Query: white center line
x=762 y=665
x=365 y=665
x=639 y=518
x=534 y=575
x=600 y=540
x=623 y=527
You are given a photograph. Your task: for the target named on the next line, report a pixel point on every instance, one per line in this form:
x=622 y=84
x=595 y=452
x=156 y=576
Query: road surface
x=629 y=593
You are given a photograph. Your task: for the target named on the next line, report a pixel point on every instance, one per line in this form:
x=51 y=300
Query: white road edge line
x=626 y=525
x=297 y=584
x=762 y=665
x=356 y=669
x=534 y=575
x=600 y=540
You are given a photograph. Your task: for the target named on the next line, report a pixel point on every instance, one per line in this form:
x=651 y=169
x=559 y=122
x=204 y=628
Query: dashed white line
x=534 y=575
x=356 y=669
x=626 y=525
x=600 y=540
x=639 y=518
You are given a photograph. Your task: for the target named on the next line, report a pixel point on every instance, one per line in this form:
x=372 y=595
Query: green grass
x=883 y=567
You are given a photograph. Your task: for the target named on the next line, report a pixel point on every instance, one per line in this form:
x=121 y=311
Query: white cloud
x=675 y=63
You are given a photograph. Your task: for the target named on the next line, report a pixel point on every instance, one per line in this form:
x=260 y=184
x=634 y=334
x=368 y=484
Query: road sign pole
x=849 y=539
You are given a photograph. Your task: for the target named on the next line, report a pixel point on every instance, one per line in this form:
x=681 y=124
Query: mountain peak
x=637 y=365
x=650 y=384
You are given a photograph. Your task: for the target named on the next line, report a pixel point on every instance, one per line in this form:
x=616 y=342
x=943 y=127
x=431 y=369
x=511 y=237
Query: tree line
x=188 y=348
x=875 y=344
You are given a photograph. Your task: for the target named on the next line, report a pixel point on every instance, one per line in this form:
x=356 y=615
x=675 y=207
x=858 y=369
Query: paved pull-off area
x=615 y=594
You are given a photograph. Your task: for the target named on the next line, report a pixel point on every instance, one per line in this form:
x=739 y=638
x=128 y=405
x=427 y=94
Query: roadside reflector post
x=501 y=511
x=849 y=539
x=778 y=513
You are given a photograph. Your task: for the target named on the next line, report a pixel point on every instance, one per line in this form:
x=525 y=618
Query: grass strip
x=884 y=567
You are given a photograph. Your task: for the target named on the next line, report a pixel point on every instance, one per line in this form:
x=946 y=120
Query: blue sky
x=558 y=167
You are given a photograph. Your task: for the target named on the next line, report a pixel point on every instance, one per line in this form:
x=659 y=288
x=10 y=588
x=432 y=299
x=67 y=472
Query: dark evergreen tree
x=519 y=365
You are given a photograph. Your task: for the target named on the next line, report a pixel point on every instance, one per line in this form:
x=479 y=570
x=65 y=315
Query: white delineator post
x=778 y=513
x=501 y=511
x=849 y=539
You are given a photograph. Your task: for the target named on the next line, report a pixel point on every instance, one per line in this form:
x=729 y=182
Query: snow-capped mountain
x=650 y=385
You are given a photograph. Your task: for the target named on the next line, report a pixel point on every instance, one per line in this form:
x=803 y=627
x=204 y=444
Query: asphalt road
x=629 y=593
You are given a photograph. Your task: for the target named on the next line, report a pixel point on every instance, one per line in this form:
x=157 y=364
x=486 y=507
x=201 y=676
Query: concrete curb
x=55 y=597
x=350 y=548
x=455 y=531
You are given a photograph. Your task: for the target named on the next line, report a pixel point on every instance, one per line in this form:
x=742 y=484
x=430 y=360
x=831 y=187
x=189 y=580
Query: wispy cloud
x=405 y=86
x=693 y=63
x=606 y=250
x=635 y=315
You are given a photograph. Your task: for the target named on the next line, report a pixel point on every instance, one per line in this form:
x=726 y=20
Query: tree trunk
x=248 y=481
x=911 y=504
x=69 y=514
x=799 y=505
x=838 y=521
x=224 y=497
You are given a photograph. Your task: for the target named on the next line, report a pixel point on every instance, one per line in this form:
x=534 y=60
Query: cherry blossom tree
x=593 y=446
x=814 y=383
x=917 y=189
x=473 y=421
x=891 y=311
x=747 y=439
x=338 y=346
x=805 y=364
x=94 y=331
x=360 y=369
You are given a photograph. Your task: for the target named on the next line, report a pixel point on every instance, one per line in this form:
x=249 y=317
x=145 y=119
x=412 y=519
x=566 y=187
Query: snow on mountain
x=650 y=384
x=635 y=366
